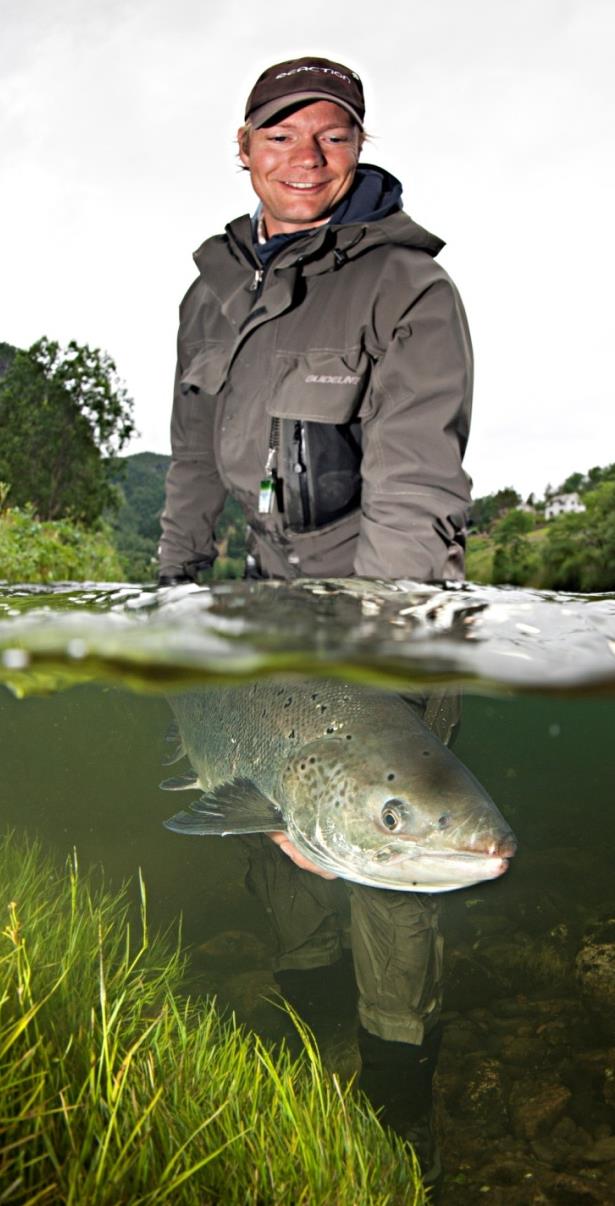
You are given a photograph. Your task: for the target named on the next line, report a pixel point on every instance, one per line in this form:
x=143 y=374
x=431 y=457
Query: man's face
x=301 y=168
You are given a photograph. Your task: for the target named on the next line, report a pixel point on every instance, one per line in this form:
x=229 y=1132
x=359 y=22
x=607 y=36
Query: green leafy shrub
x=514 y=560
x=32 y=550
x=579 y=553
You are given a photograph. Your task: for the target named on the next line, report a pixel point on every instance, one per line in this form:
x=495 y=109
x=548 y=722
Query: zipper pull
x=258 y=276
x=267 y=486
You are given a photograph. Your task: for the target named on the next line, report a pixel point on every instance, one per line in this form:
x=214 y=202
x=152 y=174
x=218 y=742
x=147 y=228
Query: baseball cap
x=304 y=79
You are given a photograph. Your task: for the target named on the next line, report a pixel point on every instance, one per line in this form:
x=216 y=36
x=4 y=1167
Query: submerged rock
x=536 y=1107
x=602 y=1151
x=252 y=992
x=608 y=1084
x=485 y=1098
x=595 y=972
x=237 y=948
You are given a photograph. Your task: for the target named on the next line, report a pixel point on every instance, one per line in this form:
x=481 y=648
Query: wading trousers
x=394 y=936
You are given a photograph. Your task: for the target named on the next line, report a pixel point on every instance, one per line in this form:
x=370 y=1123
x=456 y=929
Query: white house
x=563 y=504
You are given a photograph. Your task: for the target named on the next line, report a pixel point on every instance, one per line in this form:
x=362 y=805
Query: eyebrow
x=334 y=125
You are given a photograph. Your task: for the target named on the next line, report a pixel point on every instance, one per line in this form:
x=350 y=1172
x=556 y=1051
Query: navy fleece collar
x=375 y=194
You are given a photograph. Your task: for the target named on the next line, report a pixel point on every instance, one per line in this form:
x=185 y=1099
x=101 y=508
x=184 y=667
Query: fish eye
x=391 y=815
x=444 y=821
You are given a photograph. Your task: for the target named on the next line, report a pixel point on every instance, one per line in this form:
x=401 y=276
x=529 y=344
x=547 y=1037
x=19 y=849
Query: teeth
x=295 y=184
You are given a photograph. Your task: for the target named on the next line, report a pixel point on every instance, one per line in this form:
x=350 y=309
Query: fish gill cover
x=390 y=633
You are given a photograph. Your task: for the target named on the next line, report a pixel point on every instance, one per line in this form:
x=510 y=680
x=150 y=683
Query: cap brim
x=264 y=113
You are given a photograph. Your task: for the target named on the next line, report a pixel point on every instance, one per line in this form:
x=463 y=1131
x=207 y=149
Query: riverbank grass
x=116 y=1088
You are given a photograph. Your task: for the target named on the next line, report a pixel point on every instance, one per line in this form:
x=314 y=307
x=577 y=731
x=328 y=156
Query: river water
x=526 y=1080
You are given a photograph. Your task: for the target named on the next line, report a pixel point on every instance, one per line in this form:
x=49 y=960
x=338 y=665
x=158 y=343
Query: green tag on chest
x=266 y=495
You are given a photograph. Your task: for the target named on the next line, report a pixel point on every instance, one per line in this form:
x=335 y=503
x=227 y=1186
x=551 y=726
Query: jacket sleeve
x=194 y=493
x=415 y=494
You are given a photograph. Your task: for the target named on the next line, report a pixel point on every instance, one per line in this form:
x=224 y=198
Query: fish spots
x=291 y=734
x=426 y=753
x=288 y=702
x=390 y=776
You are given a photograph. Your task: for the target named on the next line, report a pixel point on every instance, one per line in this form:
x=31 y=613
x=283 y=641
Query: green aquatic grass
x=115 y=1088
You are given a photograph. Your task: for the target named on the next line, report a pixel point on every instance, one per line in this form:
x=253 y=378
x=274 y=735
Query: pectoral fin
x=181 y=783
x=173 y=737
x=235 y=807
x=176 y=756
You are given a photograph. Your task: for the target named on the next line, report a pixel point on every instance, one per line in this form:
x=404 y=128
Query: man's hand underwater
x=282 y=840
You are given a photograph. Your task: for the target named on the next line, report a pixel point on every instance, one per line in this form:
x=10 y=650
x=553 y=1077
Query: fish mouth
x=425 y=870
x=469 y=860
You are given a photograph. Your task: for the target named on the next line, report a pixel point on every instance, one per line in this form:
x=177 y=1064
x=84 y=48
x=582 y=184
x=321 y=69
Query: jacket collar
x=322 y=250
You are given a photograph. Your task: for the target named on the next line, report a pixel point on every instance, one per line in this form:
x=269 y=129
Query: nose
x=504 y=845
x=498 y=843
x=307 y=153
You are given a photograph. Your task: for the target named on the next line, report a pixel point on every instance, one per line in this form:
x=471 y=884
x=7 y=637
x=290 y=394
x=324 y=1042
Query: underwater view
x=107 y=692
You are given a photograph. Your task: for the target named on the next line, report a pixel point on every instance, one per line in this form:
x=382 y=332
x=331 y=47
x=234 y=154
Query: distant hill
x=140 y=481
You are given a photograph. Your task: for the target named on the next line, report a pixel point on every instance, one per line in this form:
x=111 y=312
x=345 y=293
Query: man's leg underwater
x=397 y=950
x=398 y=958
x=310 y=920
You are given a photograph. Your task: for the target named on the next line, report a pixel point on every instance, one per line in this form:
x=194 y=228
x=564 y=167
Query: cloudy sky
x=117 y=160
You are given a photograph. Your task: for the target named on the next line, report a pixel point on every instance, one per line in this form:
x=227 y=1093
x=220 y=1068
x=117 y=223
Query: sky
x=118 y=159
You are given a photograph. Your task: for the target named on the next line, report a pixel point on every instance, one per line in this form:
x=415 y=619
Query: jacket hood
x=375 y=194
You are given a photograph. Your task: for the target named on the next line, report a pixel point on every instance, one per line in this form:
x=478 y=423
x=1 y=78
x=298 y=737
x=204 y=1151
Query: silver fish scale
x=247 y=732
x=333 y=763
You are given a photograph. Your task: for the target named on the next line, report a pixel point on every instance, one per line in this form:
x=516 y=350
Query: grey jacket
x=350 y=323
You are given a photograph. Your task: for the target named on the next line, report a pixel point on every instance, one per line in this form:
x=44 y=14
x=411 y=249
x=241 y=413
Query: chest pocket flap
x=319 y=386
x=208 y=368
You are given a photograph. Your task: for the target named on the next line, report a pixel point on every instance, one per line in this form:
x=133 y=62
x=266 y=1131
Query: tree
x=487 y=509
x=598 y=474
x=579 y=553
x=574 y=482
x=514 y=560
x=64 y=415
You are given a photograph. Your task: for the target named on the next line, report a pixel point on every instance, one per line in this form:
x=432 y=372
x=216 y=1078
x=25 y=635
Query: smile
x=301 y=187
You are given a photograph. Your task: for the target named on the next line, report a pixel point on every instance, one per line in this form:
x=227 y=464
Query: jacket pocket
x=208 y=369
x=319 y=386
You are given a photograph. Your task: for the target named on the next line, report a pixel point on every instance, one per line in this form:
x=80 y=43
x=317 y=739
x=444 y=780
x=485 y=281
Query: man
x=324 y=379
